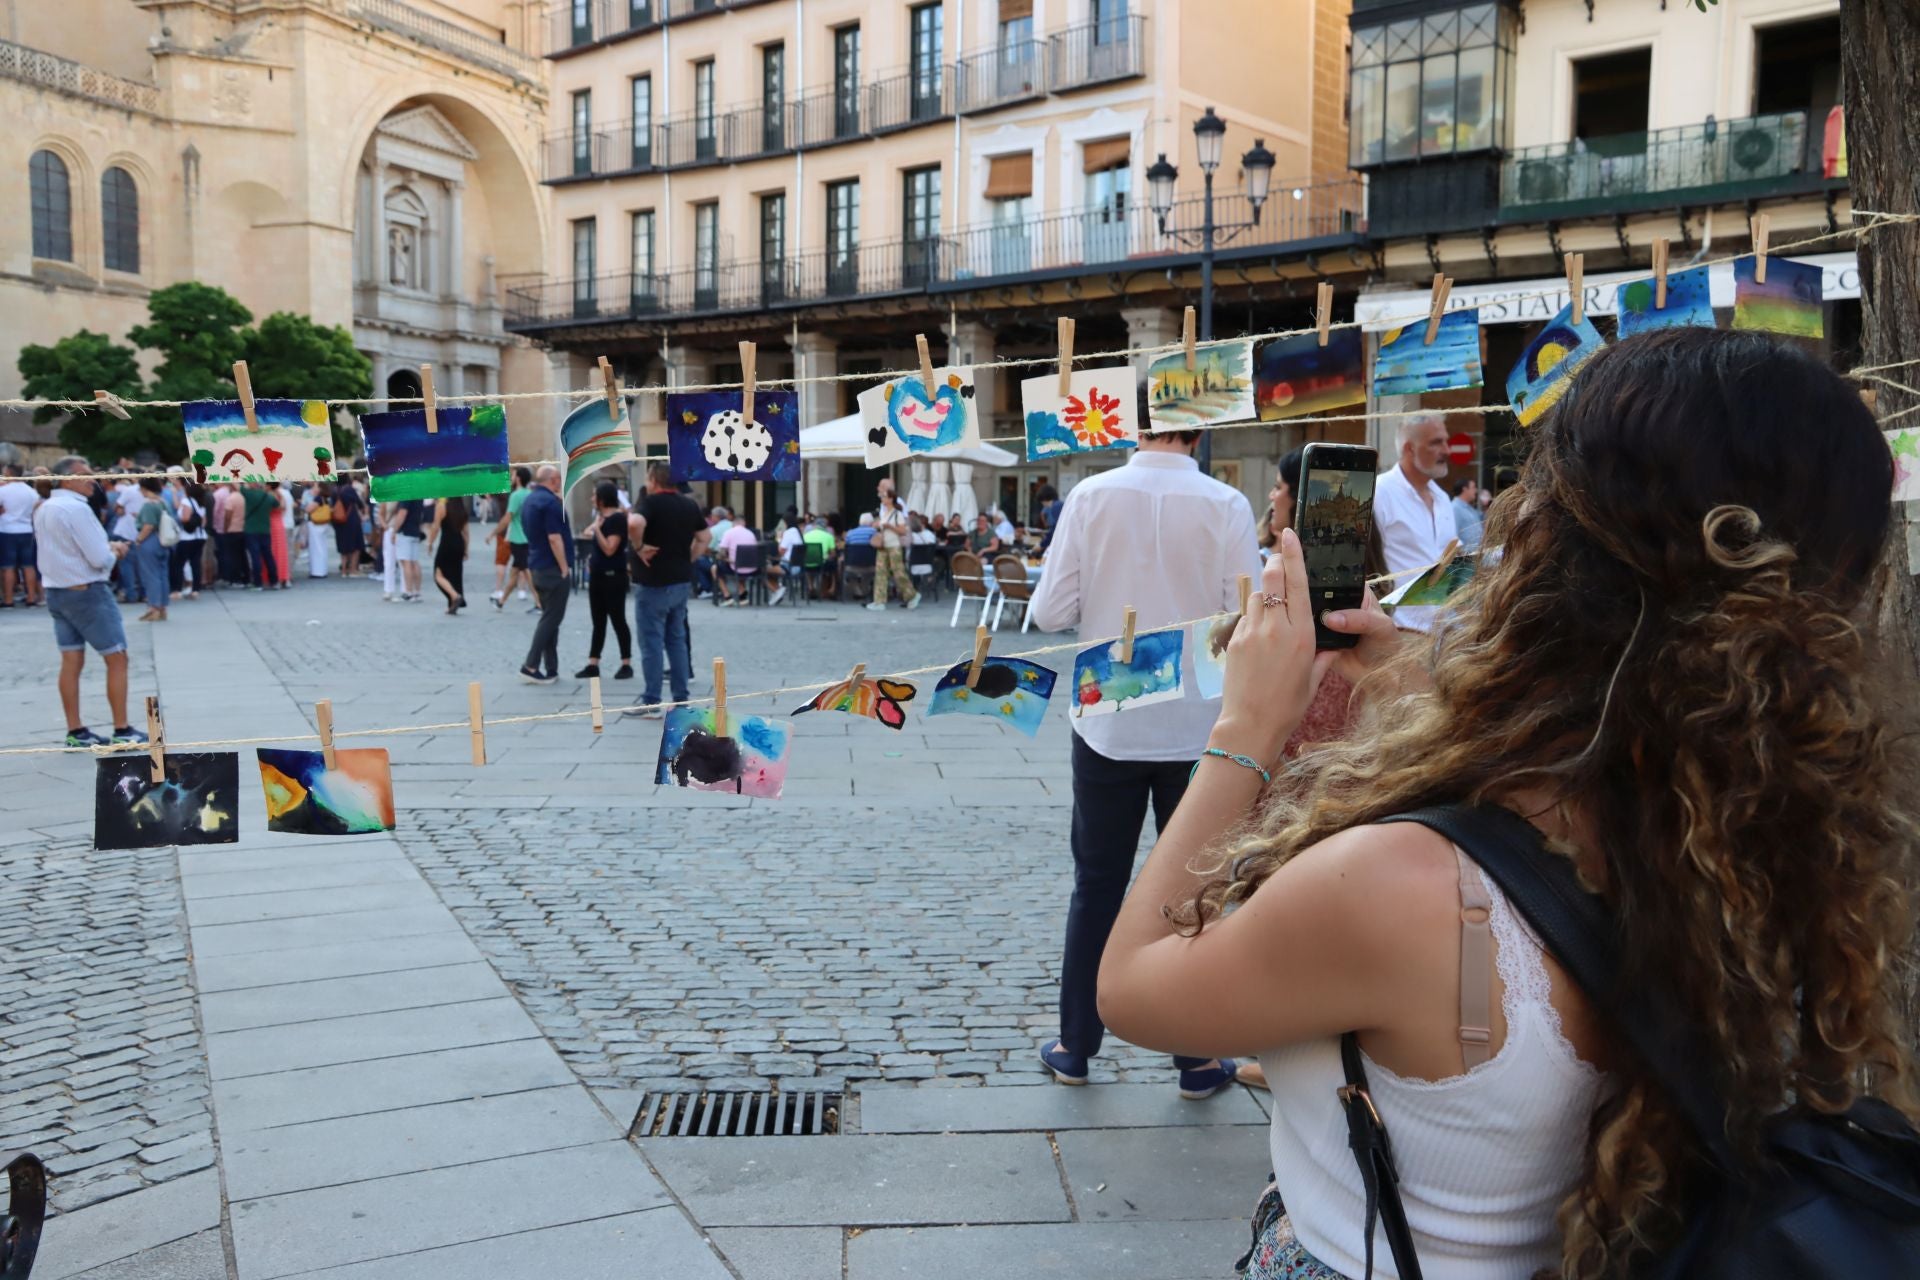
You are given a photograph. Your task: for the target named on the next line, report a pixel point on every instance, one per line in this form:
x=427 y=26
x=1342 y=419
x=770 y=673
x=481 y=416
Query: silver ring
x=1273 y=602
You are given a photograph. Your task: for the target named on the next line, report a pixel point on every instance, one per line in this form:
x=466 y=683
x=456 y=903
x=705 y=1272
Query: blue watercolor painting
x=1011 y=690
x=591 y=438
x=709 y=439
x=1209 y=661
x=751 y=761
x=1103 y=684
x=904 y=418
x=1548 y=364
x=465 y=457
x=293 y=441
x=1689 y=302
x=1406 y=365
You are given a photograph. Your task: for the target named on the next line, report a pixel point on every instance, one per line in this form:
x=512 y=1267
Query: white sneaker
x=877 y=605
x=915 y=602
x=389 y=597
x=729 y=603
x=521 y=593
x=496 y=595
x=777 y=596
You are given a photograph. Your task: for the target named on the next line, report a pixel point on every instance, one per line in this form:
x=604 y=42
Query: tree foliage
x=73 y=369
x=290 y=356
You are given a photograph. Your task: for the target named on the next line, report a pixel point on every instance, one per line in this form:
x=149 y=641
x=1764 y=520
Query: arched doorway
x=403 y=384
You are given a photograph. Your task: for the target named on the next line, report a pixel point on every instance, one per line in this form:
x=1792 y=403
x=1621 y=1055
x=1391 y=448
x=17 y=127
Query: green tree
x=73 y=369
x=292 y=357
x=198 y=331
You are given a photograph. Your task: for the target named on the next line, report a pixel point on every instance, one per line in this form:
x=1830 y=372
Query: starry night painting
x=1010 y=690
x=198 y=803
x=709 y=439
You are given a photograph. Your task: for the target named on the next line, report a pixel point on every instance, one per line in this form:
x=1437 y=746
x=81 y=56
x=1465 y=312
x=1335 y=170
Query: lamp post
x=1256 y=166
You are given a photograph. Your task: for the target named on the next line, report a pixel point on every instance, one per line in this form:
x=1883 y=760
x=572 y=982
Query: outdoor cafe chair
x=1010 y=572
x=747 y=572
x=923 y=568
x=856 y=572
x=970 y=582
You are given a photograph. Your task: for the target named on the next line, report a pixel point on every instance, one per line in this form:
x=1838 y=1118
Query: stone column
x=815 y=356
x=454 y=245
x=971 y=343
x=1150 y=327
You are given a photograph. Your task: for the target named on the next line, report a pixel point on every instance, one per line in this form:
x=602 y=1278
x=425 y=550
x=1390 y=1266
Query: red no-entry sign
x=1460 y=448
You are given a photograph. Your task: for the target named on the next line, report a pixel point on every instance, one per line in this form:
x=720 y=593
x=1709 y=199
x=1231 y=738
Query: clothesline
x=1877 y=221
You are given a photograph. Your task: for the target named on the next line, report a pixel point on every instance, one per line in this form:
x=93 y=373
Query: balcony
x=739 y=133
x=420 y=27
x=607 y=149
x=573 y=26
x=1061 y=245
x=1694 y=164
x=18 y=62
x=1097 y=52
x=824 y=117
x=905 y=99
x=1000 y=77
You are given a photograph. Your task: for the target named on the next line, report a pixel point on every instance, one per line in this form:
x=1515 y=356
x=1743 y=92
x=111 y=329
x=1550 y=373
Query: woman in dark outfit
x=450 y=558
x=607 y=580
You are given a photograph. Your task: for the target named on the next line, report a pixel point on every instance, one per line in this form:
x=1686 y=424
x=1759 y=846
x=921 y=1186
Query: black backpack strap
x=1577 y=927
x=1373 y=1151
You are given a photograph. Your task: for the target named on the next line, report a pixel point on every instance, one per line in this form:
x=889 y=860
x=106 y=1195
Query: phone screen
x=1334 y=523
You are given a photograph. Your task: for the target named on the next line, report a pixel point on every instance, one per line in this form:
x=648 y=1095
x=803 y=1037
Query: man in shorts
x=75 y=559
x=513 y=540
x=17 y=501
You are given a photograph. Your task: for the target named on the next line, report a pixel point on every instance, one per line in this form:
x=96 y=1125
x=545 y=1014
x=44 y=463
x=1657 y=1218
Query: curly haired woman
x=1667 y=670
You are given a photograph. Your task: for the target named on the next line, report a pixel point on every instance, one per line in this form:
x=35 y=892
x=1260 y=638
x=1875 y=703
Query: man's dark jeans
x=551 y=587
x=1110 y=799
x=261 y=570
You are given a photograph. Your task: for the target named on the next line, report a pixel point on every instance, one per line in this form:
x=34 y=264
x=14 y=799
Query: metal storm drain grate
x=737 y=1114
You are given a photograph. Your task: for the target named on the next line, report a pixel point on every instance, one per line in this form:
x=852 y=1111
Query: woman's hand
x=1378 y=639
x=1272 y=669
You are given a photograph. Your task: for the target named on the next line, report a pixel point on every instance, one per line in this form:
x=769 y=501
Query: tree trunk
x=1880 y=73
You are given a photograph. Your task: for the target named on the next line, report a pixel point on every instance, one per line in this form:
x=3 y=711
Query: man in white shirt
x=17 y=501
x=1411 y=510
x=123 y=504
x=75 y=558
x=1158 y=535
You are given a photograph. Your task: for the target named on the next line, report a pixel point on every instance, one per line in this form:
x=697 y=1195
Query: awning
x=1108 y=153
x=1009 y=176
x=845 y=440
x=1508 y=301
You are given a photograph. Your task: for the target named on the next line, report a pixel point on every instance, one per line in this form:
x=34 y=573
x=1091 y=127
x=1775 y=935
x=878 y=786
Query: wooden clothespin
x=426 y=398
x=110 y=403
x=611 y=387
x=720 y=697
x=1441 y=288
x=749 y=355
x=1066 y=356
x=981 y=640
x=926 y=362
x=156 y=739
x=243 y=386
x=1186 y=338
x=1660 y=274
x=593 y=692
x=1870 y=397
x=477 y=722
x=1446 y=557
x=1246 y=590
x=1577 y=285
x=323 y=717
x=1126 y=635
x=1323 y=309
x=853 y=681
x=1760 y=227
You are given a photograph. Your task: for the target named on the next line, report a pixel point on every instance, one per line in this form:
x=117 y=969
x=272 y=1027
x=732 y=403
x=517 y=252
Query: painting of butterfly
x=883 y=700
x=904 y=418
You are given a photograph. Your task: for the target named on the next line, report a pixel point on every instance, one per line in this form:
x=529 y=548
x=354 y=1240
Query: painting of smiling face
x=903 y=418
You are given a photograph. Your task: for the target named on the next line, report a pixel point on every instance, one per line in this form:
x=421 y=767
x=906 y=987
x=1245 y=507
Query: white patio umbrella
x=917 y=486
x=964 y=500
x=940 y=491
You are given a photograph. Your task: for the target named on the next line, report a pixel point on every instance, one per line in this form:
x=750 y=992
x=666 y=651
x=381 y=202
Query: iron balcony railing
x=1077 y=240
x=401 y=19
x=18 y=62
x=1715 y=160
x=823 y=117
x=904 y=99
x=1012 y=72
x=738 y=133
x=615 y=147
x=1096 y=52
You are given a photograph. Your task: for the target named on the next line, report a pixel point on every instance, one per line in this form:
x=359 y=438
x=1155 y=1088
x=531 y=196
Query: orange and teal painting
x=304 y=797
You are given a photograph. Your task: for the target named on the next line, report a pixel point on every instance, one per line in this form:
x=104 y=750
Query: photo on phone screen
x=1334 y=521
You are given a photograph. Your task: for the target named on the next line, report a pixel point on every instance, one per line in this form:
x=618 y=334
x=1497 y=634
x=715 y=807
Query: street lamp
x=1256 y=168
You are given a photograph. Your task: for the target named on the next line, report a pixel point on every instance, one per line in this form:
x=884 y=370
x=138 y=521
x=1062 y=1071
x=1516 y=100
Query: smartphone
x=1333 y=518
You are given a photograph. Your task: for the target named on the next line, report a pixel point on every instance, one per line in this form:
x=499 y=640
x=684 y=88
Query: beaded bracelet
x=1245 y=762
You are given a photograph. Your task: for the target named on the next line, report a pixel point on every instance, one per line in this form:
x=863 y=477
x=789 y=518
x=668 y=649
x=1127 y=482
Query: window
x=643 y=287
x=1106 y=186
x=1610 y=93
x=926 y=36
x=583 y=133
x=773 y=245
x=1431 y=86
x=581 y=13
x=706 y=254
x=1009 y=196
x=1016 y=22
x=52 y=207
x=920 y=205
x=773 y=97
x=1018 y=52
x=705 y=135
x=843 y=236
x=120 y=220
x=584 y=232
x=1109 y=21
x=640 y=137
x=846 y=81
x=1796 y=67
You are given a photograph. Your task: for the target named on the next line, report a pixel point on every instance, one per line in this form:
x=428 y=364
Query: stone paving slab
x=1064 y=1251
x=210 y=886
x=313 y=931
x=364 y=1088
x=629 y=1246
x=201 y=1257
x=1166 y=1174
x=791 y=1182
x=906 y=1109
x=362 y=1037
x=294 y=904
x=783 y=1253
x=265 y=856
x=268 y=1162
x=443 y=945
x=384 y=1217
x=340 y=997
x=73 y=1243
